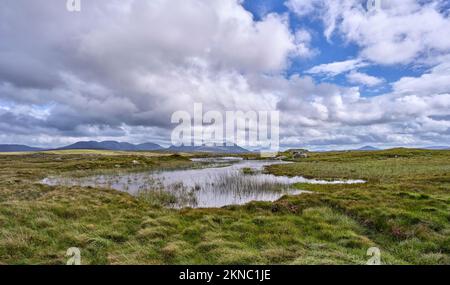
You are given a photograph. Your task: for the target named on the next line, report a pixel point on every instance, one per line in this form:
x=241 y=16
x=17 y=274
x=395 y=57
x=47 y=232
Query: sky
x=341 y=74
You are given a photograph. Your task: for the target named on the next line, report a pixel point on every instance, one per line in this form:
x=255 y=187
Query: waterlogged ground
x=403 y=209
x=222 y=181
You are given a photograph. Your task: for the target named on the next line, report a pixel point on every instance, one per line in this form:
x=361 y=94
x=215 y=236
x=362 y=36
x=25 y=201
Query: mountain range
x=113 y=145
x=438 y=147
x=149 y=146
x=125 y=146
x=17 y=147
x=369 y=147
x=217 y=148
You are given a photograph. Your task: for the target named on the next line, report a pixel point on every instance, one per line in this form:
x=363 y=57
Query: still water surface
x=223 y=182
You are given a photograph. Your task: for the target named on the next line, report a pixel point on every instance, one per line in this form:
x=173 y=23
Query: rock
x=300 y=155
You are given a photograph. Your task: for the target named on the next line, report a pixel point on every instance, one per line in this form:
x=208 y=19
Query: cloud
x=436 y=81
x=328 y=115
x=394 y=34
x=135 y=62
x=363 y=78
x=119 y=69
x=336 y=68
x=302 y=8
x=303 y=44
x=221 y=33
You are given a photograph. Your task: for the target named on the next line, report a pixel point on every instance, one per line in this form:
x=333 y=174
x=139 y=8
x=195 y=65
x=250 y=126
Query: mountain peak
x=113 y=145
x=368 y=147
x=219 y=148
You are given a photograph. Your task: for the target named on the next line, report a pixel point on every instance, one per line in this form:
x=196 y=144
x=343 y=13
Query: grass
x=404 y=209
x=158 y=197
x=89 y=152
x=248 y=171
x=174 y=196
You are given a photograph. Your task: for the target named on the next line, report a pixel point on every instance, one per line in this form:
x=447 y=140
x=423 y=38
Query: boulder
x=300 y=155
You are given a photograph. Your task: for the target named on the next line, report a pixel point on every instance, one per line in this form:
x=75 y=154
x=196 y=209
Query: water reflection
x=222 y=183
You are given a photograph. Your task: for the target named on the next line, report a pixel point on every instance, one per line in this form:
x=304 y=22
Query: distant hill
x=112 y=145
x=124 y=146
x=218 y=148
x=17 y=147
x=368 y=147
x=438 y=147
x=148 y=146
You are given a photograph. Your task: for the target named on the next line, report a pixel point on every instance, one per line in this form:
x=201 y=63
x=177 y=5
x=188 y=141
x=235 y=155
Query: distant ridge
x=217 y=148
x=368 y=147
x=437 y=147
x=112 y=145
x=17 y=148
x=149 y=146
x=125 y=146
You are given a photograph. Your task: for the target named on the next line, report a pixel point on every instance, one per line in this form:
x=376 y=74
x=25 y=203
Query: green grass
x=248 y=171
x=404 y=209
